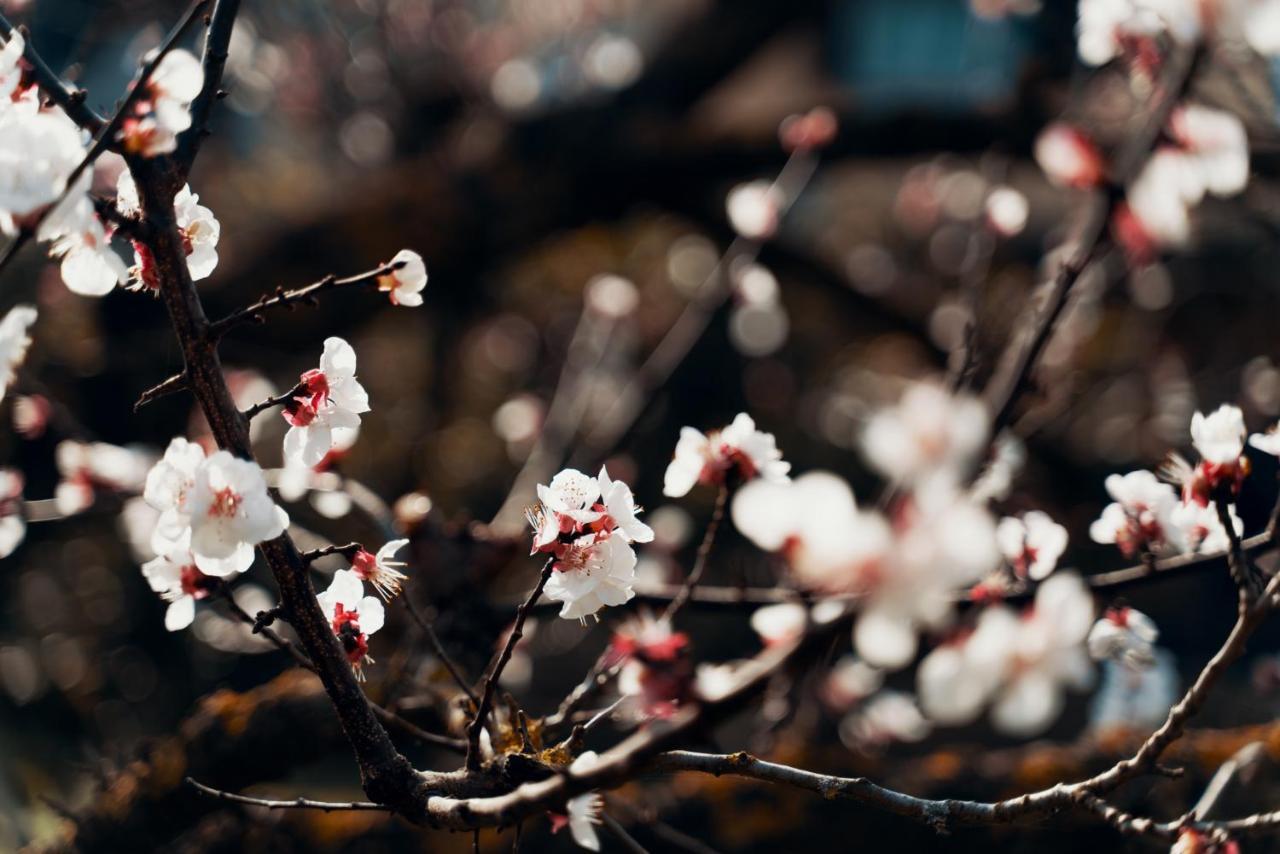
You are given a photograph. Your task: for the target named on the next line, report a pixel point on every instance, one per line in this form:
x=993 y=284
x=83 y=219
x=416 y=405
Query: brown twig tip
x=173 y=384
x=294 y=804
x=348 y=551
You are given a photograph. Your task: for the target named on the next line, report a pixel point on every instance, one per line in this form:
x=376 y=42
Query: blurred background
x=563 y=166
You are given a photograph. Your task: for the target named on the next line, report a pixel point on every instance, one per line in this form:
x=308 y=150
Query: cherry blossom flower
x=168 y=490
x=1140 y=516
x=15 y=340
x=754 y=209
x=1199 y=528
x=620 y=510
x=404 y=285
x=31 y=413
x=739 y=450
x=332 y=399
x=162 y=112
x=657 y=675
x=1126 y=635
x=814 y=522
x=1219 y=439
x=382 y=573
x=928 y=434
x=230 y=512
x=1107 y=29
x=13 y=526
x=197 y=225
x=38 y=150
x=781 y=623
x=1068 y=157
x=11 y=67
x=1031 y=544
x=582 y=812
x=179 y=582
x=592 y=573
x=888 y=717
x=89 y=266
x=84 y=465
x=353 y=616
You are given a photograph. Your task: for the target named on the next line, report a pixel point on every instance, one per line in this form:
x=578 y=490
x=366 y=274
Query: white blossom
x=352 y=616
x=928 y=434
x=1200 y=530
x=1067 y=157
x=781 y=623
x=754 y=209
x=13 y=525
x=382 y=573
x=15 y=340
x=89 y=266
x=160 y=115
x=230 y=512
x=1140 y=515
x=592 y=574
x=179 y=582
x=404 y=285
x=11 y=67
x=333 y=399
x=38 y=151
x=1032 y=544
x=197 y=226
x=1126 y=635
x=84 y=465
x=582 y=812
x=1268 y=442
x=1219 y=436
x=620 y=507
x=889 y=716
x=739 y=448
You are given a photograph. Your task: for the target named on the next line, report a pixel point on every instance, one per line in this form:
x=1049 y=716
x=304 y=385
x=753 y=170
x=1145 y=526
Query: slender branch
x=700 y=560
x=280 y=400
x=285 y=299
x=172 y=385
x=214 y=60
x=1236 y=559
x=438 y=648
x=348 y=551
x=628 y=841
x=491 y=679
x=72 y=101
x=294 y=804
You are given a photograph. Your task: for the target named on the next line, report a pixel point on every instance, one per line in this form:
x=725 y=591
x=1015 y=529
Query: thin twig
x=700 y=560
x=72 y=101
x=438 y=648
x=172 y=385
x=628 y=841
x=491 y=679
x=213 y=60
x=294 y=804
x=279 y=400
x=348 y=551
x=282 y=298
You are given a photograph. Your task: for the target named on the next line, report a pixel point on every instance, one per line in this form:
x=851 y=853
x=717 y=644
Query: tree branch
x=72 y=101
x=295 y=804
x=172 y=385
x=282 y=298
x=217 y=37
x=700 y=560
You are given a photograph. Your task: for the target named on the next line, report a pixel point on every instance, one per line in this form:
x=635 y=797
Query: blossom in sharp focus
x=168 y=490
x=1032 y=544
x=230 y=512
x=197 y=226
x=592 y=573
x=739 y=449
x=15 y=340
x=332 y=399
x=180 y=583
x=1068 y=157
x=82 y=466
x=13 y=525
x=404 y=285
x=161 y=112
x=1219 y=439
x=814 y=523
x=352 y=616
x=382 y=573
x=930 y=433
x=582 y=812
x=1140 y=516
x=1126 y=635
x=620 y=509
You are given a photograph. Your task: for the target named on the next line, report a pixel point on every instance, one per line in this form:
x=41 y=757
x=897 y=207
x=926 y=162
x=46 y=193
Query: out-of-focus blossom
x=1006 y=211
x=11 y=67
x=808 y=131
x=781 y=623
x=162 y=112
x=1126 y=635
x=739 y=450
x=1199 y=528
x=1268 y=442
x=382 y=573
x=353 y=616
x=815 y=523
x=31 y=414
x=1192 y=841
x=1020 y=664
x=1068 y=157
x=928 y=434
x=38 y=151
x=612 y=296
x=404 y=285
x=13 y=525
x=850 y=681
x=89 y=266
x=179 y=582
x=1129 y=698
x=332 y=400
x=82 y=466
x=1107 y=29
x=996 y=480
x=1032 y=544
x=657 y=675
x=582 y=812
x=15 y=340
x=1140 y=516
x=754 y=209
x=888 y=717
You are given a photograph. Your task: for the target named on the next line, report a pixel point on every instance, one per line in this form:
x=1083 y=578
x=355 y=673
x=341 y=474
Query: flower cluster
x=161 y=112
x=216 y=507
x=739 y=451
x=197 y=226
x=329 y=406
x=587 y=526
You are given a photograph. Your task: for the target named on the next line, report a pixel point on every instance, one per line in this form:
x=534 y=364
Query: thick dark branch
x=72 y=101
x=214 y=61
x=172 y=385
x=495 y=673
x=295 y=804
x=286 y=299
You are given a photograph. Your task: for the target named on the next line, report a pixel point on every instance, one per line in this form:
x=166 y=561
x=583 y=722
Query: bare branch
x=438 y=648
x=294 y=804
x=286 y=299
x=173 y=384
x=348 y=551
x=72 y=101
x=214 y=60
x=281 y=400
x=700 y=560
